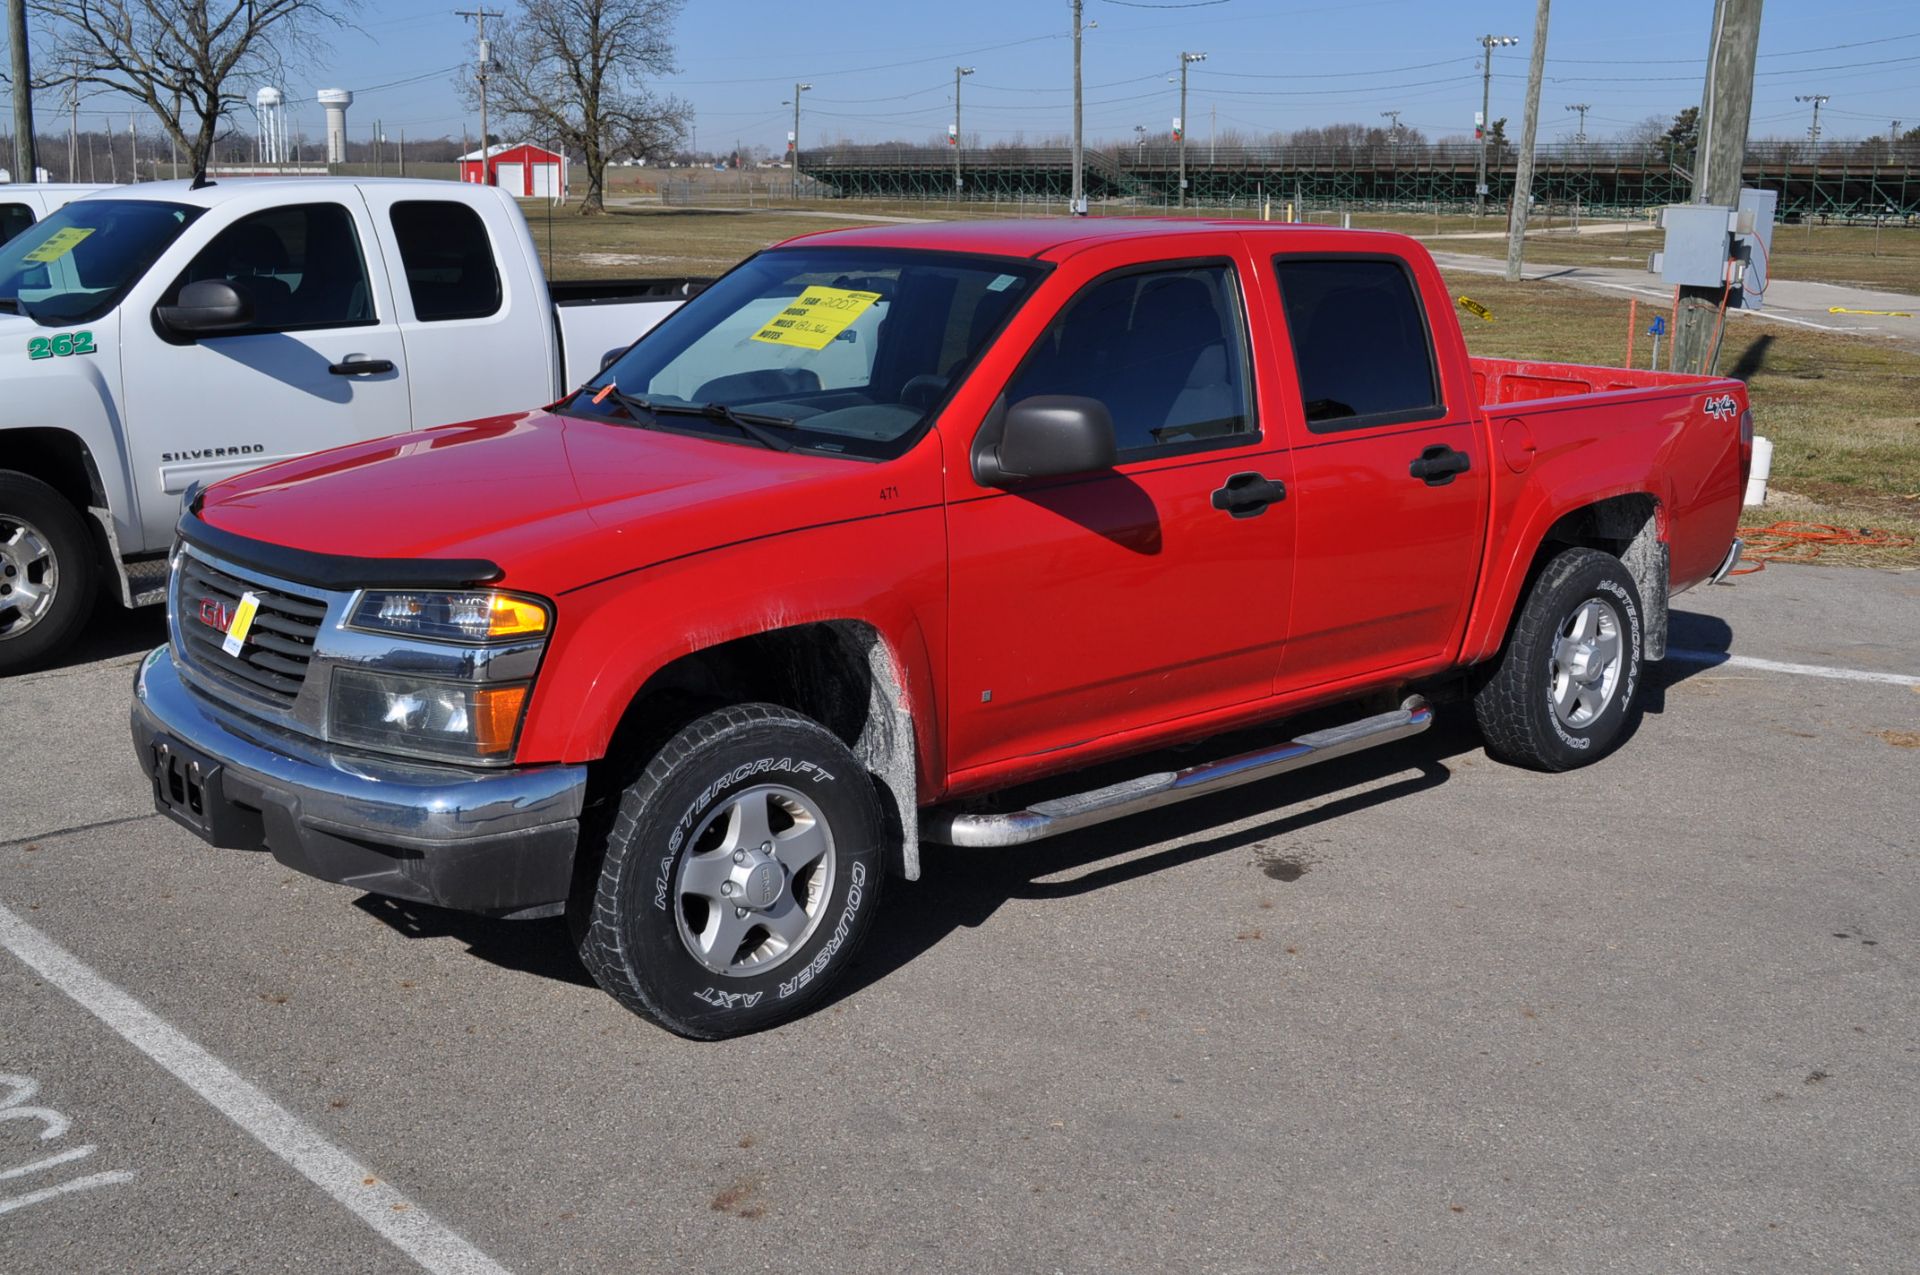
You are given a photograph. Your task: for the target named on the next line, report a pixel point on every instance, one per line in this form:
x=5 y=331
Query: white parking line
x=397 y=1219
x=1801 y=670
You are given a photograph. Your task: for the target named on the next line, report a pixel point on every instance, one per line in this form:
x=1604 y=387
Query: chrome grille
x=279 y=648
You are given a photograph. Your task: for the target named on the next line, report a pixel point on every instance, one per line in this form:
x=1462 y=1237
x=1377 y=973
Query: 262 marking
x=60 y=345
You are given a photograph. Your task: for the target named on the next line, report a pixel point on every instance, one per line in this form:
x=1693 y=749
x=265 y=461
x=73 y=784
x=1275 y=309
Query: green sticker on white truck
x=60 y=345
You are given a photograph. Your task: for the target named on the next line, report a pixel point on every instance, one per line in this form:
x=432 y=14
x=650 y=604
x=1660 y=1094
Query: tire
x=48 y=576
x=1564 y=689
x=692 y=925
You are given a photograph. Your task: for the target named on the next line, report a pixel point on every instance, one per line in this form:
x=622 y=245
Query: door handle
x=1245 y=495
x=1437 y=466
x=360 y=365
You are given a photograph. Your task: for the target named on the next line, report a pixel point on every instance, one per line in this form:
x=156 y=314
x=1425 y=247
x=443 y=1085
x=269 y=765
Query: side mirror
x=207 y=306
x=1046 y=436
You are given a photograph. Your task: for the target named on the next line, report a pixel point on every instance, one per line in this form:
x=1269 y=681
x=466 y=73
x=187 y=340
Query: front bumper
x=498 y=842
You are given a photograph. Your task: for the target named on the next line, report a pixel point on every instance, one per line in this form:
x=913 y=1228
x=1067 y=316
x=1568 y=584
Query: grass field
x=1843 y=413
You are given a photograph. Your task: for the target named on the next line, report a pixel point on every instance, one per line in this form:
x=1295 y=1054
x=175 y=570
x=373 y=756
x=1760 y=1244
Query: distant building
x=520 y=168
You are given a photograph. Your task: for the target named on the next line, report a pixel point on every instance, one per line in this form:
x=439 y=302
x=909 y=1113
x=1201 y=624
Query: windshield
x=849 y=350
x=75 y=266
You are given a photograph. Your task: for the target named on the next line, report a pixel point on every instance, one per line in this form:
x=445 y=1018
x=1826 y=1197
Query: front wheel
x=47 y=572
x=1563 y=690
x=739 y=875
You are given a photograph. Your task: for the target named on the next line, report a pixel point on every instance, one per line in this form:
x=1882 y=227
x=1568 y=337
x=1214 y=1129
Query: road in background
x=1416 y=1011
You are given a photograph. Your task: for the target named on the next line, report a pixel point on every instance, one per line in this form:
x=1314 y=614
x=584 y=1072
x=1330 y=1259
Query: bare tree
x=181 y=59
x=572 y=71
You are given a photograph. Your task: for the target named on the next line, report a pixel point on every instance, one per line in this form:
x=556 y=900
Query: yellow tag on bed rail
x=1475 y=308
x=242 y=623
x=816 y=317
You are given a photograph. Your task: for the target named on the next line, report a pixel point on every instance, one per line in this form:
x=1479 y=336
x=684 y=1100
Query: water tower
x=336 y=101
x=271 y=145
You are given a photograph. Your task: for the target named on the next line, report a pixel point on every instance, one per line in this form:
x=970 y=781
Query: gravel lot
x=1415 y=1012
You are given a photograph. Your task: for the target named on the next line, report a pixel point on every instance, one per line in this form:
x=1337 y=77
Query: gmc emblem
x=214 y=613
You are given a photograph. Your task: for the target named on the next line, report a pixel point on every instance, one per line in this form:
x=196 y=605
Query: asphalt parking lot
x=1416 y=1011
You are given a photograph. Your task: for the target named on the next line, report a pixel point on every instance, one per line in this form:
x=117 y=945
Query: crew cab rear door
x=1390 y=468
x=1090 y=605
x=320 y=364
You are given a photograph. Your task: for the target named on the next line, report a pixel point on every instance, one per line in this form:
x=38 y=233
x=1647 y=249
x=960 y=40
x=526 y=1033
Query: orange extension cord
x=1804 y=541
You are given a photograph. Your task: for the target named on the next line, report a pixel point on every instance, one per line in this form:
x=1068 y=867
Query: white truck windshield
x=74 y=266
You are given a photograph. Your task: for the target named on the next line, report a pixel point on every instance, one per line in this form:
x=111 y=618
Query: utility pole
x=1079 y=195
x=793 y=140
x=1393 y=134
x=1140 y=142
x=1488 y=43
x=23 y=156
x=484 y=65
x=958 y=72
x=1580 y=136
x=1813 y=131
x=1180 y=124
x=1529 y=133
x=1726 y=106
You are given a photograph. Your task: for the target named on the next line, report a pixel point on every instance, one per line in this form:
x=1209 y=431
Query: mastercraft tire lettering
x=740 y=873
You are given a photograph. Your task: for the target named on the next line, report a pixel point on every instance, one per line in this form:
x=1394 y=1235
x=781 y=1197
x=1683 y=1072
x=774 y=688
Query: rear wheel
x=1564 y=689
x=47 y=572
x=739 y=875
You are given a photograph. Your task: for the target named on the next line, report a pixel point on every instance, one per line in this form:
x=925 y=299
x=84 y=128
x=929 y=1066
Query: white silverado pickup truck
x=167 y=335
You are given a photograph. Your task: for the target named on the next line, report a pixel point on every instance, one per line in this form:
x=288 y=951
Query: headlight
x=483 y=615
x=398 y=713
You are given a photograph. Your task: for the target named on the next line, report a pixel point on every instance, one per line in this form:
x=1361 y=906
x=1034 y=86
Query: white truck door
x=472 y=303
x=321 y=363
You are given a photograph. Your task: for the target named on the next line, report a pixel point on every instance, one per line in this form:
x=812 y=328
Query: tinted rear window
x=448 y=259
x=14 y=218
x=1359 y=340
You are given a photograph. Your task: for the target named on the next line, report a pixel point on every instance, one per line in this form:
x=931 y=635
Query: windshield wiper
x=753 y=425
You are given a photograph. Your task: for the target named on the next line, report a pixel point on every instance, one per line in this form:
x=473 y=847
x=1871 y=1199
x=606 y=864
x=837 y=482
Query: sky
x=884 y=71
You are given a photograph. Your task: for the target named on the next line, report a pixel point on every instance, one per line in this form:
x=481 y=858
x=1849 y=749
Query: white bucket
x=1762 y=468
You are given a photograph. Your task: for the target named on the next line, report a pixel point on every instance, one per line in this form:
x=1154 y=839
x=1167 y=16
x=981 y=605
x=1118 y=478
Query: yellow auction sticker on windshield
x=815 y=317
x=58 y=244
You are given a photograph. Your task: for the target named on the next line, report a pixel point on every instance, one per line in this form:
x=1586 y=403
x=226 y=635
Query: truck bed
x=1497 y=381
x=599 y=317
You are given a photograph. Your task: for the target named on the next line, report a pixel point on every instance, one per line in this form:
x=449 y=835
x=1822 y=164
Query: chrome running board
x=1063 y=814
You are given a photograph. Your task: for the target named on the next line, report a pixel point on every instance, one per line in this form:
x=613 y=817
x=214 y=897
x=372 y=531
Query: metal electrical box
x=1753 y=243
x=1698 y=246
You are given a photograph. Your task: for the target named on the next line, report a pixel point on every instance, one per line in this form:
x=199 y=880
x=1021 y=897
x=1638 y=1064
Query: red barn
x=520 y=168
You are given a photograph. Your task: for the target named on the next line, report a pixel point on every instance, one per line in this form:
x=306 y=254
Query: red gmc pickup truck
x=882 y=526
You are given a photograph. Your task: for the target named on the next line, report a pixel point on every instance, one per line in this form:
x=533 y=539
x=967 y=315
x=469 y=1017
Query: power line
x=1338 y=75
x=1785 y=53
